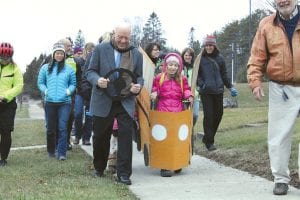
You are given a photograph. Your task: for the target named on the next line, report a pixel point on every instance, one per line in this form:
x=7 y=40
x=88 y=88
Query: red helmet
x=6 y=50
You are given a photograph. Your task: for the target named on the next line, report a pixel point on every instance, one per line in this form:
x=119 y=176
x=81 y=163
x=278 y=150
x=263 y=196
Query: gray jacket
x=102 y=62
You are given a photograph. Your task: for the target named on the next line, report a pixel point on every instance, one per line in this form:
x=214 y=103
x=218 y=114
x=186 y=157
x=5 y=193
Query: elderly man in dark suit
x=117 y=53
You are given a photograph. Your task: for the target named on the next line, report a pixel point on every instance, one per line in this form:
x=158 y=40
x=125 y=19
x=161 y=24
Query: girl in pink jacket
x=170 y=87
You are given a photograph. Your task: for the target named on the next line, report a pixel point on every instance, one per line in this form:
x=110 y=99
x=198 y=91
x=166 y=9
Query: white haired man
x=276 y=52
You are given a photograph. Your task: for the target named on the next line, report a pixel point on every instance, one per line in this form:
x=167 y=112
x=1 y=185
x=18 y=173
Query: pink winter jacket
x=170 y=93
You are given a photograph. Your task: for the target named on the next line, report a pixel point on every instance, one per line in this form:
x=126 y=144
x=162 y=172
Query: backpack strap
x=162 y=78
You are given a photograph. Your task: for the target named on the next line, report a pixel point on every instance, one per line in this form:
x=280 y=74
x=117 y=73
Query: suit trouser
x=282 y=116
x=212 y=105
x=102 y=127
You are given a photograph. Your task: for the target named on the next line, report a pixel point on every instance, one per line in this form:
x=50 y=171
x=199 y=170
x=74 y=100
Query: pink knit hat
x=210 y=40
x=172 y=59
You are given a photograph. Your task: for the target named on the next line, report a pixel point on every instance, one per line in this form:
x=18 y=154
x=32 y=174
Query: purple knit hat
x=77 y=49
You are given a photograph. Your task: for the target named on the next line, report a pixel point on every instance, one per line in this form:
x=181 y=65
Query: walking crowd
x=94 y=91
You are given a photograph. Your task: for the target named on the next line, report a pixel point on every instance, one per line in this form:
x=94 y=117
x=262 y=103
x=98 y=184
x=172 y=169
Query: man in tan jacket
x=276 y=53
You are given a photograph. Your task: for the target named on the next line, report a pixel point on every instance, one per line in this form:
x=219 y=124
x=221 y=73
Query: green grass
x=30 y=174
x=28 y=133
x=22 y=111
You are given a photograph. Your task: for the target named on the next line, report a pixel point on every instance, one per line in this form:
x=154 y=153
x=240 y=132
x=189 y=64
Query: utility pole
x=250 y=21
x=232 y=61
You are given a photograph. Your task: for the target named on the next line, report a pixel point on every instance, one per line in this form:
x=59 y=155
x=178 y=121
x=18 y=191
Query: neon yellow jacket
x=11 y=81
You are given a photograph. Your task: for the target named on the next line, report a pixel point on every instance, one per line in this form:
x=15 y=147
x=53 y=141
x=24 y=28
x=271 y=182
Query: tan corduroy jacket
x=271 y=54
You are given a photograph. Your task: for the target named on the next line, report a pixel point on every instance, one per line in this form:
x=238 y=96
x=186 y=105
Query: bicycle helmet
x=6 y=50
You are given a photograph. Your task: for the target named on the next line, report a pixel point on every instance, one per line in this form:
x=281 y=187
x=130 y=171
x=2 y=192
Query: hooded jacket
x=171 y=92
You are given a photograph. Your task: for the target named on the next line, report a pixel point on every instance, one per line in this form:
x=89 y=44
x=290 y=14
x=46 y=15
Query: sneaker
x=211 y=147
x=76 y=141
x=62 y=158
x=97 y=174
x=177 y=171
x=3 y=163
x=51 y=155
x=165 y=173
x=124 y=179
x=69 y=147
x=86 y=142
x=280 y=189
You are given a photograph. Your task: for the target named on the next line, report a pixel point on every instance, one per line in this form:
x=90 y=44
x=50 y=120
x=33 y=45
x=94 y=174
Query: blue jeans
x=82 y=130
x=78 y=108
x=196 y=111
x=57 y=115
x=88 y=124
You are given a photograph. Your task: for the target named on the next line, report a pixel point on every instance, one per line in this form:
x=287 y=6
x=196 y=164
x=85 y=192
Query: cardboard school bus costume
x=165 y=137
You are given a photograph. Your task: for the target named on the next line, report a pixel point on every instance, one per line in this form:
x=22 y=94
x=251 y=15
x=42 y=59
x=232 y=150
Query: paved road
x=203 y=179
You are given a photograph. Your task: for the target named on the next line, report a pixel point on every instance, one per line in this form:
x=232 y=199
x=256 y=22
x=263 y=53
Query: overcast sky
x=32 y=26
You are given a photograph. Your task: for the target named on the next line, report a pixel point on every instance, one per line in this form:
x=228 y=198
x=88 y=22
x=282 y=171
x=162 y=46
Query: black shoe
x=211 y=147
x=165 y=173
x=97 y=174
x=86 y=142
x=3 y=163
x=280 y=189
x=177 y=171
x=76 y=141
x=69 y=147
x=124 y=179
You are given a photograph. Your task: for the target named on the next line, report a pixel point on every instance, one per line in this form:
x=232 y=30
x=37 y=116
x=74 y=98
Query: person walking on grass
x=212 y=77
x=57 y=82
x=276 y=53
x=11 y=85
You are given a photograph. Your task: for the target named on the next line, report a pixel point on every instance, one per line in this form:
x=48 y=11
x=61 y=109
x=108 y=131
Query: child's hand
x=153 y=95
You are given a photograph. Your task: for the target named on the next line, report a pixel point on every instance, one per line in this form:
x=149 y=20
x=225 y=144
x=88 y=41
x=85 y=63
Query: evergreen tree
x=191 y=37
x=152 y=32
x=79 y=40
x=192 y=43
x=136 y=32
x=31 y=74
x=233 y=42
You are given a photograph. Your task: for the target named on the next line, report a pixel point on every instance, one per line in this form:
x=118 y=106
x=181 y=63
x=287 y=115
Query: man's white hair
x=122 y=25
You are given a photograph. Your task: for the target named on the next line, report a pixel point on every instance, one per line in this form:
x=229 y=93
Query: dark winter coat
x=212 y=75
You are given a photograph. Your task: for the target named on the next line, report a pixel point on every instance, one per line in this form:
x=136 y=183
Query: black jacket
x=212 y=75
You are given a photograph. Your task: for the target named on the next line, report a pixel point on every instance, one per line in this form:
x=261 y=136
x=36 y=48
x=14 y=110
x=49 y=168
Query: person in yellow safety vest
x=11 y=85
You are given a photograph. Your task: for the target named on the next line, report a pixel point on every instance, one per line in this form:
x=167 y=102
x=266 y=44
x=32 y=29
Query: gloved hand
x=233 y=92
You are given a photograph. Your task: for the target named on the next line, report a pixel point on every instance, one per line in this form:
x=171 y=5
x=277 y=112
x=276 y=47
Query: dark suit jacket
x=103 y=61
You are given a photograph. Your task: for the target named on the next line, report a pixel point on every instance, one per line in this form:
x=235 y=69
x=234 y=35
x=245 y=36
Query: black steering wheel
x=119 y=84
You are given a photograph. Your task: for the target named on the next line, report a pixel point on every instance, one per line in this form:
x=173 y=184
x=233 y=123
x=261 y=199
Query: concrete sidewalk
x=203 y=179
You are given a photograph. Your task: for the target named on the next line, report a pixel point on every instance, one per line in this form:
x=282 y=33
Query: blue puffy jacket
x=57 y=88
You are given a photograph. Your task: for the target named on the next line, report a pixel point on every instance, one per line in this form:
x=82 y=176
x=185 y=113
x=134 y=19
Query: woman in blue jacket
x=57 y=82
